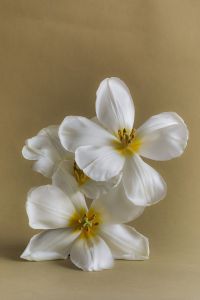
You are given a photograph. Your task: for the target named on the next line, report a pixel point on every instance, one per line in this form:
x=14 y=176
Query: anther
x=79 y=174
x=125 y=137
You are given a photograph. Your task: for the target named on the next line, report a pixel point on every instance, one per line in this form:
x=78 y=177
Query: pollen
x=125 y=137
x=127 y=143
x=79 y=175
x=86 y=222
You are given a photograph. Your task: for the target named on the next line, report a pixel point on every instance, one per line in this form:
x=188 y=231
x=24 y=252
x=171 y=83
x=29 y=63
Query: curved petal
x=99 y=163
x=143 y=185
x=125 y=242
x=96 y=120
x=114 y=207
x=48 y=208
x=163 y=136
x=114 y=105
x=94 y=189
x=50 y=245
x=28 y=153
x=91 y=254
x=75 y=132
x=46 y=149
x=64 y=179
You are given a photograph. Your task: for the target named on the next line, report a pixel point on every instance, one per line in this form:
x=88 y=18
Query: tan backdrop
x=53 y=54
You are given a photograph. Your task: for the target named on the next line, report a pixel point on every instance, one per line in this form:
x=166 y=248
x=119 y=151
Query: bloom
x=92 y=237
x=109 y=145
x=50 y=157
x=46 y=150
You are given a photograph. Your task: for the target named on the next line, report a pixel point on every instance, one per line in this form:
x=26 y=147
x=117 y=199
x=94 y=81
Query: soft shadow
x=12 y=251
x=66 y=263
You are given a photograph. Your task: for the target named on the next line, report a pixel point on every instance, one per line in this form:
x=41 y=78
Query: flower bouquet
x=99 y=181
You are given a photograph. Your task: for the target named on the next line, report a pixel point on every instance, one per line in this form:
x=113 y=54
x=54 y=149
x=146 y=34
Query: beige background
x=53 y=54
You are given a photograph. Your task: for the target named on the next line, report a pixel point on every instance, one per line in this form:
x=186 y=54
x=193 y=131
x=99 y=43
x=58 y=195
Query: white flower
x=51 y=159
x=112 y=144
x=93 y=238
x=45 y=148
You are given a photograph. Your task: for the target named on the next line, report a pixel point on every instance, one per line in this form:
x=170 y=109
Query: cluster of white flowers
x=98 y=159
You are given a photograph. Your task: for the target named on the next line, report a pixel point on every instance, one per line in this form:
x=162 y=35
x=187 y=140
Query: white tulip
x=52 y=160
x=111 y=145
x=92 y=237
x=46 y=150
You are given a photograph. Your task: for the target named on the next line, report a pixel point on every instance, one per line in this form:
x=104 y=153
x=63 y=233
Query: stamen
x=87 y=223
x=125 y=137
x=79 y=175
x=92 y=217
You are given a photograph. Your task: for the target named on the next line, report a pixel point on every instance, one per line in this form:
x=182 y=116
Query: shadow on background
x=12 y=251
x=66 y=264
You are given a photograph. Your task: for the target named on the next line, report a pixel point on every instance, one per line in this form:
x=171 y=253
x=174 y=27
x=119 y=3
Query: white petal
x=114 y=105
x=99 y=163
x=163 y=136
x=143 y=185
x=94 y=189
x=125 y=242
x=91 y=254
x=64 y=179
x=28 y=153
x=114 y=206
x=50 y=245
x=79 y=131
x=95 y=120
x=46 y=149
x=45 y=166
x=48 y=208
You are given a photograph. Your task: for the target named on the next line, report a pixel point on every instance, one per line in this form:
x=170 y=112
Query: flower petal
x=94 y=189
x=114 y=105
x=79 y=131
x=91 y=254
x=50 y=245
x=125 y=242
x=48 y=208
x=114 y=207
x=163 y=136
x=46 y=149
x=64 y=179
x=143 y=185
x=99 y=163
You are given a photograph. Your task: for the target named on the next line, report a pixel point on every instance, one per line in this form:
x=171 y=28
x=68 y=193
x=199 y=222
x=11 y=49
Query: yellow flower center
x=79 y=175
x=86 y=222
x=128 y=143
x=125 y=137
